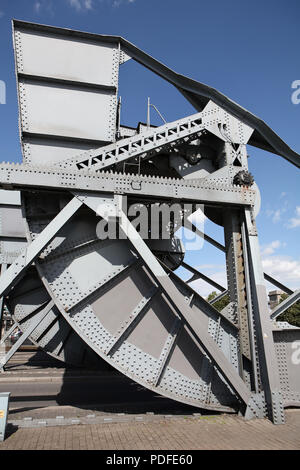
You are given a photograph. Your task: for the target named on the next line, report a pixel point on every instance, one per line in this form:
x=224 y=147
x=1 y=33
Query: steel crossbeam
x=285 y=304
x=141 y=145
x=14 y=176
x=198 y=275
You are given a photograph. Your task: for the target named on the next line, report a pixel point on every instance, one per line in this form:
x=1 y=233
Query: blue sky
x=246 y=50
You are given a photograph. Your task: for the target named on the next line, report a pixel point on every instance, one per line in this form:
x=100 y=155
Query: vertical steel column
x=263 y=326
x=3 y=269
x=237 y=284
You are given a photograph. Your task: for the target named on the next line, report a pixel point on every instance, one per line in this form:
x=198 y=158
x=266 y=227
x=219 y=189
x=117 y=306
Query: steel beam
x=32 y=251
x=285 y=304
x=144 y=145
x=236 y=278
x=9 y=332
x=27 y=177
x=205 y=306
x=218 y=297
x=35 y=322
x=277 y=284
x=199 y=275
x=3 y=269
x=221 y=247
x=263 y=326
x=167 y=350
x=131 y=321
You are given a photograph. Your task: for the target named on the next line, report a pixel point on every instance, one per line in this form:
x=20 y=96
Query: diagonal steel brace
x=16 y=270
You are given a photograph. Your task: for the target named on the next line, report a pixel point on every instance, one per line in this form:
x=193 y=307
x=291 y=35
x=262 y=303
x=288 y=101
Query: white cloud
x=283 y=268
x=270 y=248
x=295 y=221
x=78 y=5
x=43 y=5
x=117 y=3
x=81 y=5
x=275 y=214
x=215 y=272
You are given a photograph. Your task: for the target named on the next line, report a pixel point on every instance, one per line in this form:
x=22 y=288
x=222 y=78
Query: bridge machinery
x=91 y=300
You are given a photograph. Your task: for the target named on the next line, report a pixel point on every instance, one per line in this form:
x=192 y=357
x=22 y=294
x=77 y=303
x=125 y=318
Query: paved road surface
x=48 y=411
x=190 y=433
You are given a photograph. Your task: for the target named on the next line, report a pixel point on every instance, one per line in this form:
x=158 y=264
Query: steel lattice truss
x=88 y=300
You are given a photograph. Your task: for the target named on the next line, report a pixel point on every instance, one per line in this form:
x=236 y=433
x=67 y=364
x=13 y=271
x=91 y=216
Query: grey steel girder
x=147 y=144
x=265 y=344
x=19 y=176
x=11 y=276
x=150 y=142
x=285 y=304
x=236 y=276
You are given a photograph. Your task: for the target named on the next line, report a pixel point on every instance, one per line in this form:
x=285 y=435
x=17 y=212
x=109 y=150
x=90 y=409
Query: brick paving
x=223 y=432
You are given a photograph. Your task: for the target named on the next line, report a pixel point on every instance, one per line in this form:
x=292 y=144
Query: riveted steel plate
x=287 y=346
x=67 y=91
x=110 y=299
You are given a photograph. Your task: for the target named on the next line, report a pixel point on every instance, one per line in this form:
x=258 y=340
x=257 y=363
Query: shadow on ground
x=105 y=390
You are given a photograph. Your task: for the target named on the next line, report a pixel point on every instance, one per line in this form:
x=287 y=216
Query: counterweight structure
x=89 y=299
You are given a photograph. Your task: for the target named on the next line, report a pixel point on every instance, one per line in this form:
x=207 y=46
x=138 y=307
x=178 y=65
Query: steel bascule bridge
x=84 y=299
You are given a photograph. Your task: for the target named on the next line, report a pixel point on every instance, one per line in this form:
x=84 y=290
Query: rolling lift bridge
x=85 y=298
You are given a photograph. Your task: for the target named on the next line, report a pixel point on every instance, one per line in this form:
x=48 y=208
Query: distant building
x=274 y=298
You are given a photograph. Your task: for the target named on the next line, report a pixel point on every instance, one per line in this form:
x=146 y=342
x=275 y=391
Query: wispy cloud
x=270 y=248
x=86 y=5
x=216 y=272
x=81 y=5
x=283 y=268
x=43 y=5
x=203 y=288
x=295 y=221
x=275 y=215
x=1 y=14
